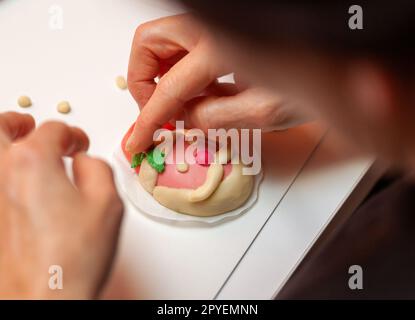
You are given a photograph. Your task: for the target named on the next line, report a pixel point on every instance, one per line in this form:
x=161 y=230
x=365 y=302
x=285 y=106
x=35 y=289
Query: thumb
x=94 y=179
x=249 y=109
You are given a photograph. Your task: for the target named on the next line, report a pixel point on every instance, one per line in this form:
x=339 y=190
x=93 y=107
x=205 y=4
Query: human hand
x=45 y=219
x=183 y=54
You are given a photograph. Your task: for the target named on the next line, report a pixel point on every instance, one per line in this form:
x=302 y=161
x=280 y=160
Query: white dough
x=147 y=176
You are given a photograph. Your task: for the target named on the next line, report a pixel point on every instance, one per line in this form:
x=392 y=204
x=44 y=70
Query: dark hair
x=388 y=26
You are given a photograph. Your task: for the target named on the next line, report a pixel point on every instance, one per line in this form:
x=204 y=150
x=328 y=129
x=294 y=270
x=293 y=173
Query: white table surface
x=249 y=257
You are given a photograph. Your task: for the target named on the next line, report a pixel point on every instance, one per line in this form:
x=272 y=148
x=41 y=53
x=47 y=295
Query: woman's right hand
x=182 y=53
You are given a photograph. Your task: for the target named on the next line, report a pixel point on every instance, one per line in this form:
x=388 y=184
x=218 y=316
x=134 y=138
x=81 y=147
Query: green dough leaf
x=137 y=159
x=156 y=159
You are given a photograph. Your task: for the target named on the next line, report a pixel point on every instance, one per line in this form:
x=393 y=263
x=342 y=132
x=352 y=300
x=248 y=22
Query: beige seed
x=121 y=82
x=64 y=107
x=24 y=102
x=182 y=167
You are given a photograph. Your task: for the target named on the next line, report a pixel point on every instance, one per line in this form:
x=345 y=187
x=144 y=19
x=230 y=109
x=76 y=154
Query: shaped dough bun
x=206 y=189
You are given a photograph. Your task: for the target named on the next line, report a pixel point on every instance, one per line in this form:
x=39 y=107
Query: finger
x=220 y=89
x=241 y=83
x=253 y=108
x=13 y=126
x=93 y=178
x=58 y=139
x=166 y=65
x=185 y=80
x=157 y=46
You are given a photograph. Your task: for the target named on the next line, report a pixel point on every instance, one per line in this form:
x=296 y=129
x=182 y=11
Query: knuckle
x=55 y=127
x=26 y=155
x=268 y=115
x=279 y=118
x=57 y=131
x=201 y=118
x=143 y=32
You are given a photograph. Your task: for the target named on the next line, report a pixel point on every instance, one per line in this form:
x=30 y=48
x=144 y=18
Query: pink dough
x=204 y=157
x=193 y=178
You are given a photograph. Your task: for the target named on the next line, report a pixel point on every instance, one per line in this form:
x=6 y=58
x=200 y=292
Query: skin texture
x=47 y=220
x=183 y=54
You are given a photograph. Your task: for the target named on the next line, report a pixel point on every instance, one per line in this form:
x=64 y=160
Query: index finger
x=184 y=81
x=157 y=45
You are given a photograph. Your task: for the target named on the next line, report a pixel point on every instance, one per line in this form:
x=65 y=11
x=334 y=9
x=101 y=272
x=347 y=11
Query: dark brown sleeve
x=380 y=237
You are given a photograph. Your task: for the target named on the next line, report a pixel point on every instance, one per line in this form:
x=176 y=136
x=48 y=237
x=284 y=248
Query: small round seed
x=64 y=107
x=24 y=102
x=121 y=82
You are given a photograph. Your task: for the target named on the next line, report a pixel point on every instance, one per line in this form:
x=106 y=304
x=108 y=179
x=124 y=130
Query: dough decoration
x=182 y=167
x=64 y=107
x=24 y=102
x=209 y=186
x=121 y=83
